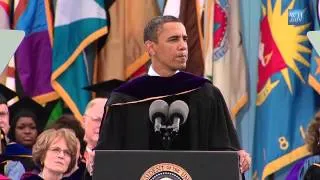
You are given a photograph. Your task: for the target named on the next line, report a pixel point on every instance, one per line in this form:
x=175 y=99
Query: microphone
x=158 y=112
x=178 y=113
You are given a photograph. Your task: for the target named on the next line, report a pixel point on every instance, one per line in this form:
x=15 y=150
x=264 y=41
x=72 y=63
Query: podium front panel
x=168 y=165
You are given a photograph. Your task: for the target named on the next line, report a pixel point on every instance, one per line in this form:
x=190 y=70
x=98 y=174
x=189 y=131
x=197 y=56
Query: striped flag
x=74 y=30
x=190 y=17
x=188 y=11
x=33 y=59
x=286 y=102
x=229 y=72
x=124 y=56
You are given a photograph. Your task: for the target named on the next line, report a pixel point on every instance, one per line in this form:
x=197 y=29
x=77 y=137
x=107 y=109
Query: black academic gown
x=127 y=126
x=313 y=172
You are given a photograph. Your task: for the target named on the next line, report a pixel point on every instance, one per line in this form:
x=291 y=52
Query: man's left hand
x=245 y=161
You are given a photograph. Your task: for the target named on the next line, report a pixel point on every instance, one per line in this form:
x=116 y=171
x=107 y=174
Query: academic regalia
x=27 y=107
x=300 y=168
x=31 y=176
x=6 y=94
x=78 y=174
x=104 y=89
x=28 y=104
x=294 y=172
x=14 y=166
x=313 y=172
x=17 y=152
x=127 y=124
x=3 y=141
x=15 y=149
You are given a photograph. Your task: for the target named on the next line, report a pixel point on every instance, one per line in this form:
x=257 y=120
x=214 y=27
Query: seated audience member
x=92 y=119
x=93 y=116
x=308 y=168
x=27 y=121
x=313 y=141
x=55 y=153
x=6 y=94
x=68 y=121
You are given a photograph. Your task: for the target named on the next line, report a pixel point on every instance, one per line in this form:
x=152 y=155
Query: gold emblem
x=167 y=171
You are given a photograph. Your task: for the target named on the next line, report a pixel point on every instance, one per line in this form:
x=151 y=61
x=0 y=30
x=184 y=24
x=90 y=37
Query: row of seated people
x=31 y=148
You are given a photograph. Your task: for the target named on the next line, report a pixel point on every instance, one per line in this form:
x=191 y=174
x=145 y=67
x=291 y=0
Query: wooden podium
x=166 y=165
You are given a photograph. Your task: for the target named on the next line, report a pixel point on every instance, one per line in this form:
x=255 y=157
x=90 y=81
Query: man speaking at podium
x=128 y=125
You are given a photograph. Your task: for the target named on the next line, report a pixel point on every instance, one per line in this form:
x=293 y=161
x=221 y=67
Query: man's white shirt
x=152 y=72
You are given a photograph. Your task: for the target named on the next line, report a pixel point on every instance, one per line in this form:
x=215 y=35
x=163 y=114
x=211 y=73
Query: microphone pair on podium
x=167 y=119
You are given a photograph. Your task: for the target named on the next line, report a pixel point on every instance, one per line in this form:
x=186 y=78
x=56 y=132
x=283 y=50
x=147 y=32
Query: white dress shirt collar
x=152 y=72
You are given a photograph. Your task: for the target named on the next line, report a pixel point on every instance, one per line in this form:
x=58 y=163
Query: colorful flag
x=33 y=59
x=188 y=11
x=285 y=101
x=229 y=72
x=124 y=54
x=5 y=24
x=207 y=15
x=56 y=112
x=172 y=7
x=78 y=23
x=314 y=76
x=190 y=17
x=10 y=79
x=4 y=14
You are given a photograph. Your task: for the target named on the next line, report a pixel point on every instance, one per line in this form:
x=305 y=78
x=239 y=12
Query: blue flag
x=286 y=100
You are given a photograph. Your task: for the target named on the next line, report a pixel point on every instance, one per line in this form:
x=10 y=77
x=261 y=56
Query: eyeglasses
x=57 y=151
x=3 y=113
x=94 y=118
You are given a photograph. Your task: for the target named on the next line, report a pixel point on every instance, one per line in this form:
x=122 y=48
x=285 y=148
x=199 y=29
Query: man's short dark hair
x=154 y=26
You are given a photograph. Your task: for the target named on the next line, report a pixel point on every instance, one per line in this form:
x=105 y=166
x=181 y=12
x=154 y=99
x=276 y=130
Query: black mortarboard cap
x=6 y=94
x=28 y=104
x=104 y=89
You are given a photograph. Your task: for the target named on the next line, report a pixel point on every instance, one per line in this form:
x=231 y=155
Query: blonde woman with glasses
x=55 y=153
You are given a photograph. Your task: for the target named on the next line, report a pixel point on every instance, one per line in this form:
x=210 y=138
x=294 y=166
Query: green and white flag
x=78 y=23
